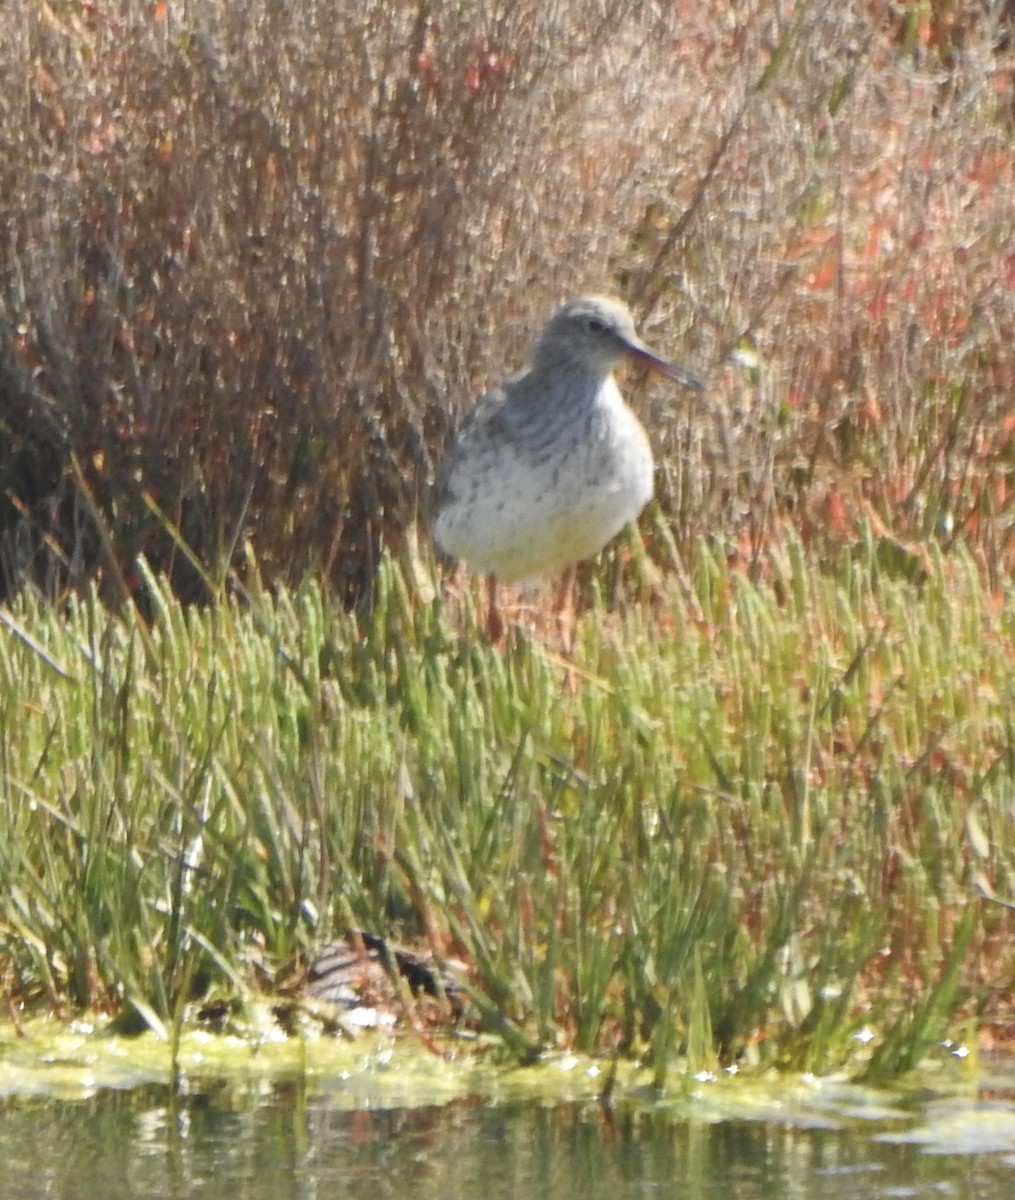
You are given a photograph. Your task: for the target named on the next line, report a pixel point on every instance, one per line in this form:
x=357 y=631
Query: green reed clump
x=748 y=823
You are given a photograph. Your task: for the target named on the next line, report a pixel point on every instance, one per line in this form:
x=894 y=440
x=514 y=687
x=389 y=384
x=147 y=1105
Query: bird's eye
x=594 y=325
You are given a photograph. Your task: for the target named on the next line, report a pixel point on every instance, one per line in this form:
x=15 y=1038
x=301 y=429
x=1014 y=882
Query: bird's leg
x=563 y=609
x=494 y=621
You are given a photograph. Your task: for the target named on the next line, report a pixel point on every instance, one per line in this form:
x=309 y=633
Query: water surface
x=280 y=1139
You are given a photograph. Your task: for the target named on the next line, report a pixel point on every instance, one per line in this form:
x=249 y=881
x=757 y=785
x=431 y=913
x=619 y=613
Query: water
x=279 y=1140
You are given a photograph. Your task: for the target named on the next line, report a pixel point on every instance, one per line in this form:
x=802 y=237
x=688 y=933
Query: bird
x=551 y=464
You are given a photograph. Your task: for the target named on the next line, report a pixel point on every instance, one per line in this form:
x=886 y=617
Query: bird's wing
x=490 y=420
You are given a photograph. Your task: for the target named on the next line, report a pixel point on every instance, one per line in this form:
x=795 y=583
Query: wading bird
x=551 y=464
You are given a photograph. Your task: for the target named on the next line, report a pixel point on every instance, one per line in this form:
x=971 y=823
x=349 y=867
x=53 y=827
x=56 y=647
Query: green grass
x=742 y=836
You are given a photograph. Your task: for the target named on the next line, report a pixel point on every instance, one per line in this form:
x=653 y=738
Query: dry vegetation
x=253 y=257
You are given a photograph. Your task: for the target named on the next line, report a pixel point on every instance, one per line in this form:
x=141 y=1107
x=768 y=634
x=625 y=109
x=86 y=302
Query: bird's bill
x=643 y=355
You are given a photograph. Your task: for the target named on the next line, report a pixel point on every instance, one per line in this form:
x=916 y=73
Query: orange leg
x=494 y=621
x=563 y=609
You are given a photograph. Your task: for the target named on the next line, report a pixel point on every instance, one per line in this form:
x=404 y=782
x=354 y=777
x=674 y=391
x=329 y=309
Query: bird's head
x=597 y=334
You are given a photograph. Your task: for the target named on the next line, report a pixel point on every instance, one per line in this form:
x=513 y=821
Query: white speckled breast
x=528 y=497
